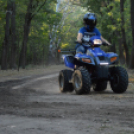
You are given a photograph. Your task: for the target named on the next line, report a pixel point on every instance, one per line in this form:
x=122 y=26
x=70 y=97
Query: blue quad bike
x=94 y=69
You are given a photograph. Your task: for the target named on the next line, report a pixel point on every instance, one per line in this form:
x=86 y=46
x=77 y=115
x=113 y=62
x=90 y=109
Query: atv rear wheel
x=119 y=81
x=100 y=86
x=64 y=77
x=81 y=81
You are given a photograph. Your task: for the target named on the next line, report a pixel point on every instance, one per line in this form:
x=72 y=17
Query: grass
x=36 y=70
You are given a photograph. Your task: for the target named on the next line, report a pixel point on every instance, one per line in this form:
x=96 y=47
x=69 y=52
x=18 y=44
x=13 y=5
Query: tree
x=132 y=24
x=65 y=31
x=123 y=30
x=13 y=37
x=32 y=9
x=34 y=27
x=5 y=44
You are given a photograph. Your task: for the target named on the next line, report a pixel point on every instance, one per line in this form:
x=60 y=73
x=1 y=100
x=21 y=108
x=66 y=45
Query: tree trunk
x=132 y=23
x=54 y=39
x=121 y=49
x=5 y=44
x=14 y=37
x=28 y=18
x=123 y=31
x=121 y=55
x=112 y=48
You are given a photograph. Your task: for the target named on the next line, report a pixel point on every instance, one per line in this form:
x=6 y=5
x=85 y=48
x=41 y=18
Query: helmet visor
x=90 y=19
x=91 y=22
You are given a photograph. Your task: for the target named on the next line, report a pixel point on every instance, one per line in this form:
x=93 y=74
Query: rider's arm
x=79 y=38
x=104 y=40
x=99 y=34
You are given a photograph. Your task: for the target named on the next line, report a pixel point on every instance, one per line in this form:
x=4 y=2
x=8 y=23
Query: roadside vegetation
x=33 y=31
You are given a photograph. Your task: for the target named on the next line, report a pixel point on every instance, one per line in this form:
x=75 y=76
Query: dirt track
x=28 y=106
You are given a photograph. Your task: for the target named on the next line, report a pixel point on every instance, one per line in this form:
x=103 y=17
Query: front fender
x=80 y=56
x=111 y=55
x=69 y=61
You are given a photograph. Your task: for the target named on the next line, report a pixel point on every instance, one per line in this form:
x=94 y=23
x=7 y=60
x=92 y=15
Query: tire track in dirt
x=40 y=100
x=35 y=80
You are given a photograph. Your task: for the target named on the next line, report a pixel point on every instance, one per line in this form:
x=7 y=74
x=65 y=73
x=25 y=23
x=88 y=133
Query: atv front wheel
x=119 y=81
x=64 y=77
x=81 y=81
x=100 y=86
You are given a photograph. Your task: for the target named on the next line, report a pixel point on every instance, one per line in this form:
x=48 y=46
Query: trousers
x=80 y=48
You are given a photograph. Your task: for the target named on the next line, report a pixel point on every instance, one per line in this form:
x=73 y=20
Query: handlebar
x=103 y=43
x=66 y=51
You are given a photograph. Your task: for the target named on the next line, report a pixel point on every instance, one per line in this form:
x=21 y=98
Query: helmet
x=90 y=19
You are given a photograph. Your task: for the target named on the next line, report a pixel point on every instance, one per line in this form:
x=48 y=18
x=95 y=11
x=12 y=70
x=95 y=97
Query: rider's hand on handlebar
x=106 y=44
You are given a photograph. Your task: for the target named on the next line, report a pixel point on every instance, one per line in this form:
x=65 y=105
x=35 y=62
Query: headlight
x=97 y=42
x=113 y=59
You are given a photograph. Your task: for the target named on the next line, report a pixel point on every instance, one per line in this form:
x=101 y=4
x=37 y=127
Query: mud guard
x=69 y=61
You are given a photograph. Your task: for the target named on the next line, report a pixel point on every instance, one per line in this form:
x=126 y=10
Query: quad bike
x=92 y=69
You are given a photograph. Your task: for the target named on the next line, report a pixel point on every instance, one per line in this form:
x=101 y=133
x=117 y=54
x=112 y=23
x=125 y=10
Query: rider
x=90 y=22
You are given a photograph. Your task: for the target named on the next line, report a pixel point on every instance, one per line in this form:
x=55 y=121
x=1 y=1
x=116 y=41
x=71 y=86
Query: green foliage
x=44 y=14
x=109 y=19
x=73 y=22
x=45 y=18
x=2 y=21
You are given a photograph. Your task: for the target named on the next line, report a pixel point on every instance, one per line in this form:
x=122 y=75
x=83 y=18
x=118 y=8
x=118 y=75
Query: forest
x=32 y=31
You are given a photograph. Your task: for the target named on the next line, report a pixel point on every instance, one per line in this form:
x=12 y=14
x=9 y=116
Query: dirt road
x=35 y=106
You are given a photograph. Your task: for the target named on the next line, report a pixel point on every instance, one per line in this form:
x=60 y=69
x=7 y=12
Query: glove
x=105 y=44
